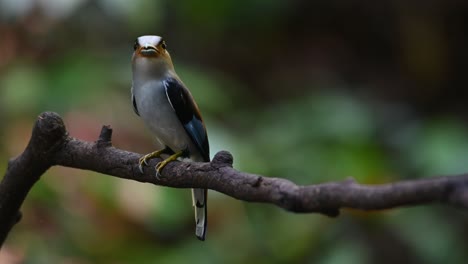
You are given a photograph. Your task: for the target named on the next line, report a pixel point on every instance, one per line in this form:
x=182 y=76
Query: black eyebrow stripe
x=136 y=44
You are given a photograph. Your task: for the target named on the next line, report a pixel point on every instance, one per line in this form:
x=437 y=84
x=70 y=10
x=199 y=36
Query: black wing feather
x=188 y=114
x=135 y=108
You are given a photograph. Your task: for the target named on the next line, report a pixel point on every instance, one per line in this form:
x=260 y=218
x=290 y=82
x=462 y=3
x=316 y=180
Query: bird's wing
x=187 y=111
x=135 y=108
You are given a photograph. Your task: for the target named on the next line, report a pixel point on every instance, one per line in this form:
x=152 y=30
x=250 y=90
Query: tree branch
x=51 y=145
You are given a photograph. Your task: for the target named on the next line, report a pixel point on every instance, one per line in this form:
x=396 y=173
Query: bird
x=168 y=109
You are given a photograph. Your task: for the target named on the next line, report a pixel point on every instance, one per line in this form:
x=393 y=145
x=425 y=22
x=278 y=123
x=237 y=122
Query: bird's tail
x=199 y=198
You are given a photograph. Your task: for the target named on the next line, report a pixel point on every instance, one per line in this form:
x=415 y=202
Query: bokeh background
x=311 y=91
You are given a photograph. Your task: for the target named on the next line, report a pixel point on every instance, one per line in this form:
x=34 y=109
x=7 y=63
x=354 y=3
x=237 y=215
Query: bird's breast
x=158 y=114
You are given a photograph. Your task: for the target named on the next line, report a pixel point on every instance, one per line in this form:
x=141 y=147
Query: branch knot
x=105 y=137
x=223 y=159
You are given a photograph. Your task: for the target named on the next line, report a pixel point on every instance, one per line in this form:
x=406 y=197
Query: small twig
x=50 y=145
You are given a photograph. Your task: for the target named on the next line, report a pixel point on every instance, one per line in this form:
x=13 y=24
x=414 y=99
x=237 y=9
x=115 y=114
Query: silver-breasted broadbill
x=168 y=109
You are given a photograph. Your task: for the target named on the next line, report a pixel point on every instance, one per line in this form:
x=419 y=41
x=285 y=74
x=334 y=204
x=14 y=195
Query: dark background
x=311 y=91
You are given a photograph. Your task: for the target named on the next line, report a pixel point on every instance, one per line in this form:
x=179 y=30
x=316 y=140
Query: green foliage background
x=311 y=91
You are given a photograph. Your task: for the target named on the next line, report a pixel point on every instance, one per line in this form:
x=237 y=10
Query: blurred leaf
x=317 y=131
x=22 y=86
x=346 y=252
x=429 y=234
x=439 y=148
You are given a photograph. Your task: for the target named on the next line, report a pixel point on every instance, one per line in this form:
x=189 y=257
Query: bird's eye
x=135 y=46
x=163 y=45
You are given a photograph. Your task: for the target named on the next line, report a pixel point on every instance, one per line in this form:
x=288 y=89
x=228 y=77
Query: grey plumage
x=166 y=106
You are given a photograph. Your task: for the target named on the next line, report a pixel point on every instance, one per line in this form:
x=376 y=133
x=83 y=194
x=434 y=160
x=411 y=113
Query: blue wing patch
x=188 y=114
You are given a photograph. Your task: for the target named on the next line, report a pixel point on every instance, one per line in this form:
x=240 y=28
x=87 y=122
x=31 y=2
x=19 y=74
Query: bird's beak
x=149 y=50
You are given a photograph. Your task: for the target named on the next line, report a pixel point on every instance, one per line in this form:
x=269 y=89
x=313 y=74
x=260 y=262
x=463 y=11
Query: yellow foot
x=163 y=163
x=152 y=155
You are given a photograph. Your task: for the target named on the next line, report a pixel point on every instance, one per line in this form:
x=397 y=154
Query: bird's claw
x=142 y=162
x=158 y=171
x=157 y=175
x=160 y=164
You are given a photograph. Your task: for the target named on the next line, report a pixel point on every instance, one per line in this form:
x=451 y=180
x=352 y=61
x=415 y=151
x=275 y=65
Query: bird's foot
x=144 y=160
x=163 y=163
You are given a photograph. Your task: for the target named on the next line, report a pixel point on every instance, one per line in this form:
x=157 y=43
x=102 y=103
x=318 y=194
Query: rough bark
x=51 y=145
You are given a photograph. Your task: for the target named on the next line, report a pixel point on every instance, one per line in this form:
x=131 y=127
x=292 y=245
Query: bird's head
x=151 y=52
